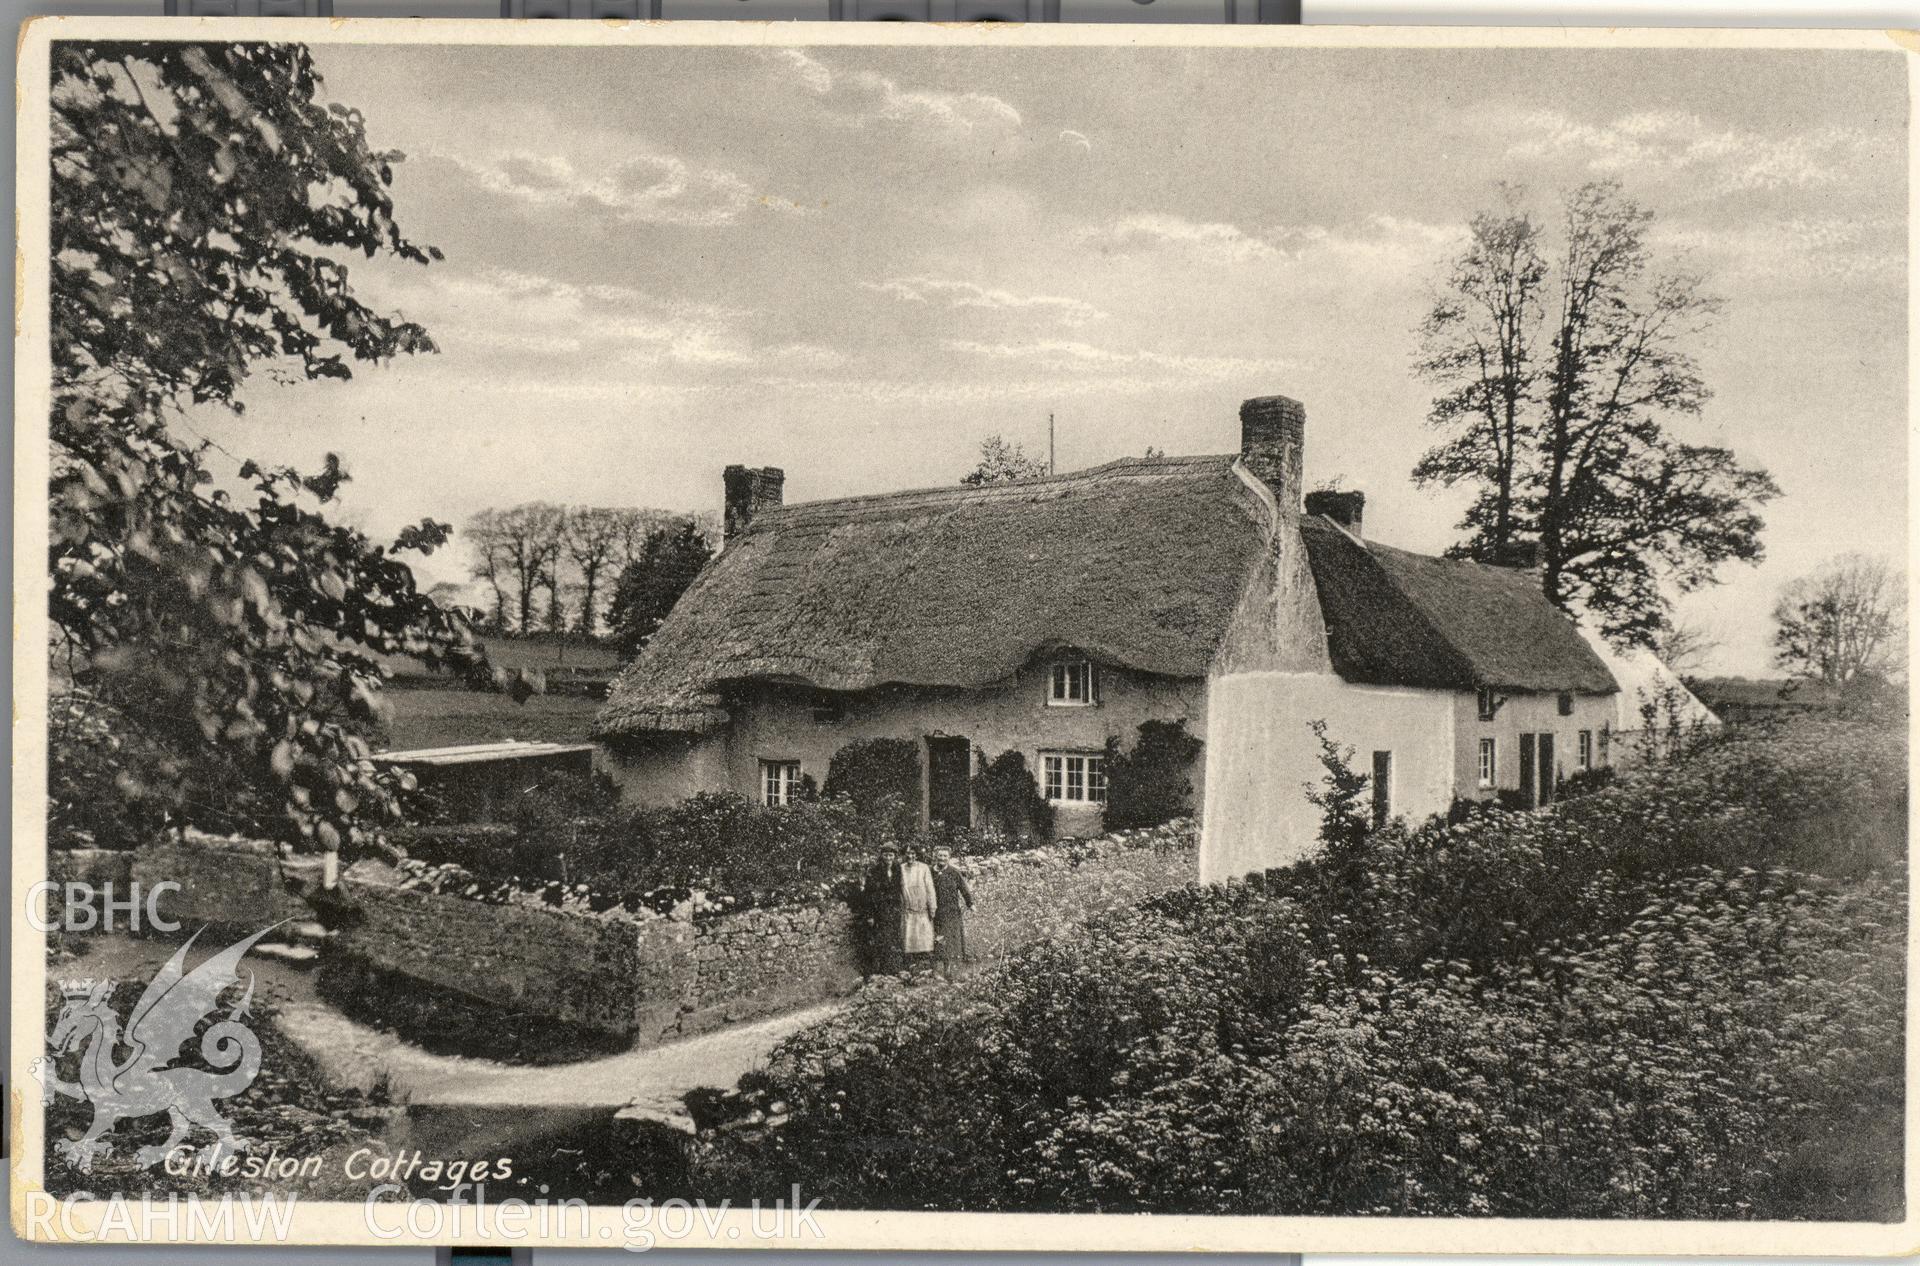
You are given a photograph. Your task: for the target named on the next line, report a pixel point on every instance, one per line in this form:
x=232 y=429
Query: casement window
x=1489 y=762
x=1074 y=684
x=1073 y=778
x=1566 y=704
x=1488 y=703
x=1382 y=787
x=1586 y=749
x=779 y=782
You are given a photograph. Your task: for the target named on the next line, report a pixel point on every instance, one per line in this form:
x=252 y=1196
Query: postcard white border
x=342 y=1222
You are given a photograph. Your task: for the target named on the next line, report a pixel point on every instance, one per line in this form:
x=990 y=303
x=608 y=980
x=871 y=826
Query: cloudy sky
x=857 y=263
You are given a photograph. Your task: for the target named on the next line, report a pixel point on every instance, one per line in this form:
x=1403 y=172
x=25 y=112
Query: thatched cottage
x=1048 y=615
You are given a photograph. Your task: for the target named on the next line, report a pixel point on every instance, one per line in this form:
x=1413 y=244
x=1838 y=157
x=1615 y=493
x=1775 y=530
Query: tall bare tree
x=1561 y=370
x=1844 y=623
x=1478 y=345
x=1685 y=648
x=490 y=560
x=592 y=538
x=514 y=550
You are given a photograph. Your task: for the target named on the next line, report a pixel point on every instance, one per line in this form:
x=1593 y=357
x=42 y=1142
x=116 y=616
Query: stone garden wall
x=654 y=977
x=231 y=883
x=615 y=973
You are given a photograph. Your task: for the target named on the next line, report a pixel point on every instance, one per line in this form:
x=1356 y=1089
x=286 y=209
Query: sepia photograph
x=676 y=634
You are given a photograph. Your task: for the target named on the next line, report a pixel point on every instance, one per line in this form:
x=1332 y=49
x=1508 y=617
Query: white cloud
x=955 y=111
x=1674 y=142
x=1794 y=250
x=647 y=188
x=1380 y=246
x=1130 y=232
x=868 y=95
x=558 y=319
x=965 y=294
x=1066 y=354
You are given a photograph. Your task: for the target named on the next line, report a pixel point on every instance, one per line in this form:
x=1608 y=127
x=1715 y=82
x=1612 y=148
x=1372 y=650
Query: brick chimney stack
x=1344 y=508
x=749 y=491
x=1272 y=436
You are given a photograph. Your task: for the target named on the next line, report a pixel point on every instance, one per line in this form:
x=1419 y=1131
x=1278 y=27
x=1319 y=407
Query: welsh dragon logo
x=162 y=1021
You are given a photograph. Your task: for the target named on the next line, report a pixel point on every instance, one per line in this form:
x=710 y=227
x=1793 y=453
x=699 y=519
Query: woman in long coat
x=918 y=902
x=953 y=897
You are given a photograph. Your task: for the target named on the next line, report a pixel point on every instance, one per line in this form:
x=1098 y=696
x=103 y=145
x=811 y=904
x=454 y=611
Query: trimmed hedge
x=1678 y=996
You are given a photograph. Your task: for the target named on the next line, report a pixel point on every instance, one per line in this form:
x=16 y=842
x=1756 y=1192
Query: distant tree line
x=592 y=570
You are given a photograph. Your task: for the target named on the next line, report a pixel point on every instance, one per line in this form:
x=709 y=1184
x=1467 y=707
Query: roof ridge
x=1504 y=571
x=1146 y=465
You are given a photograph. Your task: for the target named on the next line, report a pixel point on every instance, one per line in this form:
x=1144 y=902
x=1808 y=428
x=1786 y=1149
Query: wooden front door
x=1536 y=768
x=949 y=779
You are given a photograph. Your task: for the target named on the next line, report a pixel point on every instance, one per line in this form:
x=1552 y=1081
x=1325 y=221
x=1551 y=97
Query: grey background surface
x=1853 y=13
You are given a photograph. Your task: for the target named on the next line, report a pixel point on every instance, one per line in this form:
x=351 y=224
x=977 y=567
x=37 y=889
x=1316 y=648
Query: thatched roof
x=1400 y=619
x=1139 y=563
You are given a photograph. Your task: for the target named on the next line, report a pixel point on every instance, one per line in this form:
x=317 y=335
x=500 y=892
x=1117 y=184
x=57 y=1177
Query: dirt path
x=647 y=1083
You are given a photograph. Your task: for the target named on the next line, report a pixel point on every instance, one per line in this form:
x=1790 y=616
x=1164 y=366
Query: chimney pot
x=1344 y=508
x=1272 y=437
x=749 y=491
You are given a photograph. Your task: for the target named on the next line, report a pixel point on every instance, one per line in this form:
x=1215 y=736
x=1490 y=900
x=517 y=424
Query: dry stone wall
x=228 y=882
x=653 y=977
x=614 y=973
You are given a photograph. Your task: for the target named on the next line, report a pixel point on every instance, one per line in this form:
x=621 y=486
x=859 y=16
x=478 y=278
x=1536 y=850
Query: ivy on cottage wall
x=1153 y=782
x=1009 y=797
x=881 y=778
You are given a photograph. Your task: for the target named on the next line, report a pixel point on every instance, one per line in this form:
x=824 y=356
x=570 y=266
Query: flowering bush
x=1678 y=996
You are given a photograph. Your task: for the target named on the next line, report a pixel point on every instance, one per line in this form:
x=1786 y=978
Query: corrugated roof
x=1404 y=619
x=1139 y=563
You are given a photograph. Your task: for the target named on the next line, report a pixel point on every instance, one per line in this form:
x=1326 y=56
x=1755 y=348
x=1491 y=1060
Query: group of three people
x=914 y=915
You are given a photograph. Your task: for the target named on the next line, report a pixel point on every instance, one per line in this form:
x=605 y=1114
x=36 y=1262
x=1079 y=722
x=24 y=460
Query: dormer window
x=1072 y=684
x=1489 y=703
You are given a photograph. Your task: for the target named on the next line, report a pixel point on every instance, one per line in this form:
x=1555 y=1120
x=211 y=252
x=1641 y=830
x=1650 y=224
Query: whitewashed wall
x=1261 y=755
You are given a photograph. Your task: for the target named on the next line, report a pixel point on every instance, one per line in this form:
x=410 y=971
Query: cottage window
x=1382 y=787
x=1073 y=684
x=1586 y=749
x=1488 y=703
x=779 y=782
x=1489 y=762
x=1566 y=704
x=1070 y=778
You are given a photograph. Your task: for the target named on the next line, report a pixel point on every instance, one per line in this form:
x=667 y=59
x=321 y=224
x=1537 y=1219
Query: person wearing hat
x=880 y=923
